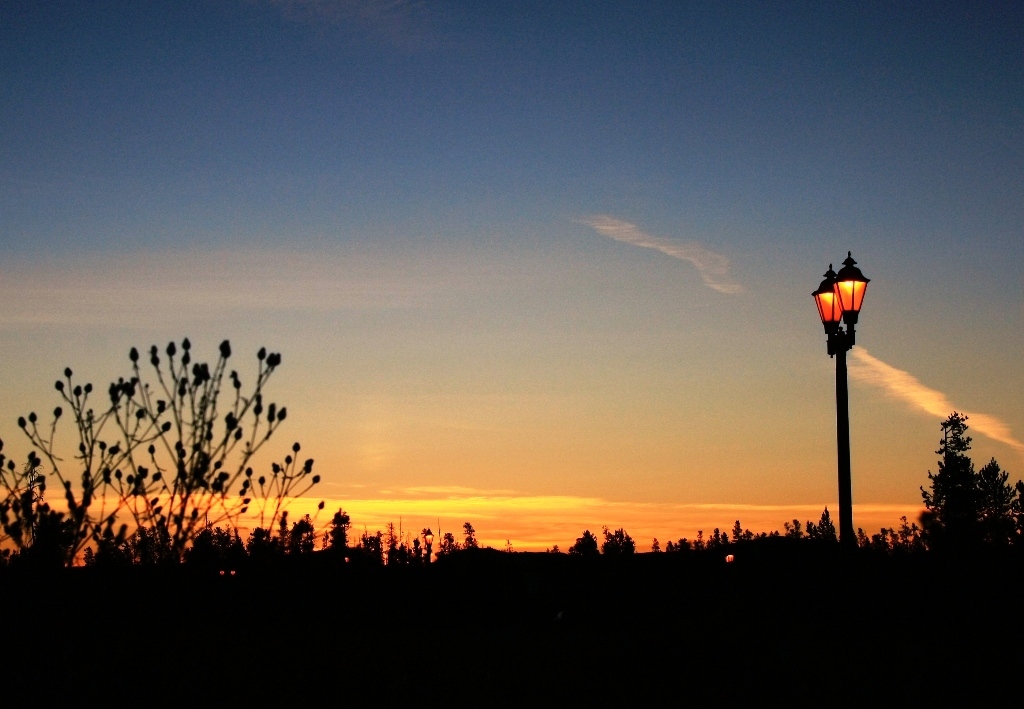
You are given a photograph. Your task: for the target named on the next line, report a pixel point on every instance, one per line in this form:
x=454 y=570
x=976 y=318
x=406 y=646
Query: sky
x=538 y=266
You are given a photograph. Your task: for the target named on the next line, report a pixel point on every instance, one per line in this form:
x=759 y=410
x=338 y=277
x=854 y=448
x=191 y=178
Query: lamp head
x=850 y=287
x=830 y=308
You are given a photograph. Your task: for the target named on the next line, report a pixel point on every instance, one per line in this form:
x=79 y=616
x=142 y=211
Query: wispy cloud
x=713 y=267
x=907 y=388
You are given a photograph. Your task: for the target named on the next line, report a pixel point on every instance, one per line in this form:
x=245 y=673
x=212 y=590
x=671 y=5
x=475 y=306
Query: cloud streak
x=713 y=267
x=907 y=388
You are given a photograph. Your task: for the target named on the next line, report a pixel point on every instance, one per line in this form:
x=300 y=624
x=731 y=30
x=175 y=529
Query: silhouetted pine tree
x=951 y=516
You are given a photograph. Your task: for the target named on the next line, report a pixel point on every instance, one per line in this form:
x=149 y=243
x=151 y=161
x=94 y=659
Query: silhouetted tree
x=824 y=530
x=52 y=539
x=951 y=505
x=996 y=502
x=302 y=537
x=262 y=546
x=148 y=546
x=391 y=542
x=717 y=540
x=1017 y=512
x=884 y=541
x=448 y=545
x=470 y=533
x=283 y=533
x=372 y=547
x=682 y=545
x=908 y=537
x=655 y=545
x=111 y=552
x=794 y=530
x=964 y=508
x=336 y=538
x=617 y=543
x=862 y=539
x=41 y=536
x=585 y=545
x=213 y=546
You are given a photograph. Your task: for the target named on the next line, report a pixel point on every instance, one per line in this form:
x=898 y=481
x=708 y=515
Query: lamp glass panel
x=829 y=307
x=851 y=293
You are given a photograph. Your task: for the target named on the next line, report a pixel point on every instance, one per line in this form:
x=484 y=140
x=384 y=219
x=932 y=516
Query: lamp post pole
x=846 y=535
x=839 y=299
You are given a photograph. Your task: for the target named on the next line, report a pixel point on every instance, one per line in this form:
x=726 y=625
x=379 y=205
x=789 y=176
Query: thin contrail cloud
x=713 y=268
x=906 y=387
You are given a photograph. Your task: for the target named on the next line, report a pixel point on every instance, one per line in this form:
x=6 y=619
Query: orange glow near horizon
x=539 y=522
x=536 y=523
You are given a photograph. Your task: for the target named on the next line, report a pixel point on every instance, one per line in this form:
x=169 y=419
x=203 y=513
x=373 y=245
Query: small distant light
x=347 y=559
x=222 y=572
x=729 y=558
x=232 y=572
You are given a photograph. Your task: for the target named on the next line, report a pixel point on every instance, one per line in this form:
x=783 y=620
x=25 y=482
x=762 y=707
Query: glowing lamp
x=850 y=287
x=830 y=307
x=729 y=558
x=428 y=537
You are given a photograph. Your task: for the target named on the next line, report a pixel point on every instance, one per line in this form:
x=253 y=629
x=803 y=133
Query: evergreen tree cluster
x=965 y=508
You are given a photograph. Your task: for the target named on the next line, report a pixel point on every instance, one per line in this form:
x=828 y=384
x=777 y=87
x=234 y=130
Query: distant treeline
x=162 y=475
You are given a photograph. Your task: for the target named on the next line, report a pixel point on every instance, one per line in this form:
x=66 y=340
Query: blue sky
x=207 y=120
x=422 y=205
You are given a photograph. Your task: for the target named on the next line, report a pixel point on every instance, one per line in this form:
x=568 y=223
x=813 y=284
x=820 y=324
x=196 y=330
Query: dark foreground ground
x=496 y=629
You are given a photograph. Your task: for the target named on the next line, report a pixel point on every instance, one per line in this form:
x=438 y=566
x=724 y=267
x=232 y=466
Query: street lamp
x=428 y=540
x=839 y=299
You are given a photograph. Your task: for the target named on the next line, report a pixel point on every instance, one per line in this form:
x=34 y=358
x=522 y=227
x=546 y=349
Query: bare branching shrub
x=168 y=452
